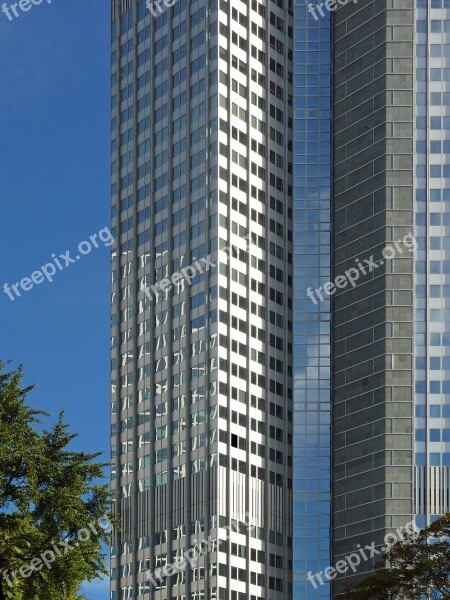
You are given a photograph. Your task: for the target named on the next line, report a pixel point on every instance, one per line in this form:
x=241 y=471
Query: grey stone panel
x=372 y=321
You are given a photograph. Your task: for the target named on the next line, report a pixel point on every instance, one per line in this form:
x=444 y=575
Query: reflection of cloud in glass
x=307 y=368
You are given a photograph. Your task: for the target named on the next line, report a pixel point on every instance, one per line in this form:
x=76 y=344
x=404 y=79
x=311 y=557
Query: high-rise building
x=431 y=279
x=202 y=373
x=372 y=319
x=312 y=319
x=280 y=284
x=391 y=354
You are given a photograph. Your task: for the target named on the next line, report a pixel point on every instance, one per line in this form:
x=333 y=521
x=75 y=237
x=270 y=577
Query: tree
x=416 y=567
x=51 y=503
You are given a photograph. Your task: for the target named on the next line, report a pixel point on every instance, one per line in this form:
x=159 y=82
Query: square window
x=435 y=411
x=420 y=387
x=435 y=363
x=420 y=435
x=446 y=459
x=420 y=459
x=435 y=435
x=435 y=459
x=435 y=148
x=421 y=363
x=435 y=122
x=420 y=411
x=421 y=195
x=435 y=170
x=435 y=339
x=436 y=26
x=435 y=387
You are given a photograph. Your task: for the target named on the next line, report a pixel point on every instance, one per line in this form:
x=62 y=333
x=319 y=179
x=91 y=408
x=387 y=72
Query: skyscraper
x=312 y=319
x=431 y=267
x=202 y=191
x=391 y=402
x=372 y=321
x=280 y=330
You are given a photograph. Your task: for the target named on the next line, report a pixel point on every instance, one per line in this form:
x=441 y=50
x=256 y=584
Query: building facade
x=432 y=266
x=312 y=319
x=279 y=325
x=391 y=403
x=201 y=325
x=372 y=320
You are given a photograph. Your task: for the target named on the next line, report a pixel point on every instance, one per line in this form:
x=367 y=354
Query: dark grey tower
x=373 y=321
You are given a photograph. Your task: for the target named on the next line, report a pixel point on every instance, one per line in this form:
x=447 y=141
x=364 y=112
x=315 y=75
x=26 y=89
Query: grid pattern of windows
x=164 y=340
x=432 y=265
x=312 y=256
x=201 y=364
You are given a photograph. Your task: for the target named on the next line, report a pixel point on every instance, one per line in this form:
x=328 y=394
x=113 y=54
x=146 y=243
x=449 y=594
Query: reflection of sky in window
x=312 y=258
x=432 y=223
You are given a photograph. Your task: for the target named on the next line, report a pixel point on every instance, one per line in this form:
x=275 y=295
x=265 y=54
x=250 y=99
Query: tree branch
x=11 y=479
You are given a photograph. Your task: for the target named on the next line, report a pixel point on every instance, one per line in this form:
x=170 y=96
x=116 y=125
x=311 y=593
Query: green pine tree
x=50 y=501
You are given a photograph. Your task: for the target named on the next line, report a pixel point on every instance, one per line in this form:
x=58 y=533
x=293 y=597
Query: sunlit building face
x=202 y=288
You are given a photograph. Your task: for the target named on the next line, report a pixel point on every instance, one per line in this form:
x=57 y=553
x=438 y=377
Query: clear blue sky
x=54 y=173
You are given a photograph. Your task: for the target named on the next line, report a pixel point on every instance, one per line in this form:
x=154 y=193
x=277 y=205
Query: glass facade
x=164 y=340
x=312 y=268
x=221 y=386
x=432 y=265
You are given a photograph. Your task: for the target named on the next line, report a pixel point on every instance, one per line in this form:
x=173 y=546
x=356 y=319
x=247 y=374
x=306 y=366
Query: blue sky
x=54 y=173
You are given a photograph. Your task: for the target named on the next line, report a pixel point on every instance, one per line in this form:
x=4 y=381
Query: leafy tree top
x=48 y=493
x=416 y=567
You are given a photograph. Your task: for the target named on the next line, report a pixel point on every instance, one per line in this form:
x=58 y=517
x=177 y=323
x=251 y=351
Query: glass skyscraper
x=432 y=265
x=312 y=321
x=272 y=411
